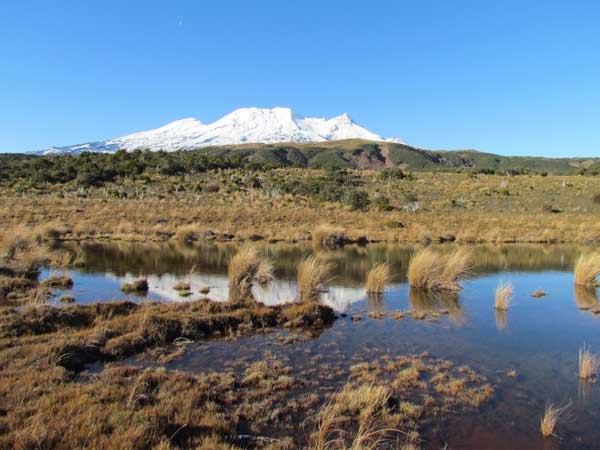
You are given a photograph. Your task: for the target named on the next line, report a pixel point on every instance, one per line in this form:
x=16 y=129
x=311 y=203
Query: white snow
x=242 y=126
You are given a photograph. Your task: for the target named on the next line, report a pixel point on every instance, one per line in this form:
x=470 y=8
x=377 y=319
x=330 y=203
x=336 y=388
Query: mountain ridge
x=244 y=125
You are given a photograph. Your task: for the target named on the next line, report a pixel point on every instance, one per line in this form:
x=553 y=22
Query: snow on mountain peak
x=244 y=125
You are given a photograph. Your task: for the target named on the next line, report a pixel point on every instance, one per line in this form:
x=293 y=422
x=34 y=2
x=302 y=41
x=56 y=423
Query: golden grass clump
x=504 y=295
x=378 y=277
x=589 y=363
x=186 y=234
x=551 y=416
x=587 y=269
x=429 y=269
x=312 y=275
x=368 y=404
x=328 y=236
x=244 y=269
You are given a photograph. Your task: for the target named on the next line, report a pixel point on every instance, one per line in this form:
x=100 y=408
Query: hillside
x=361 y=154
x=92 y=168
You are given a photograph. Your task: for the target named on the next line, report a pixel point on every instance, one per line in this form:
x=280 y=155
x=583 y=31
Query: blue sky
x=510 y=77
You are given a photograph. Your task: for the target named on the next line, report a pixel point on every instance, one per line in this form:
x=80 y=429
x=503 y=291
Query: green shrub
x=382 y=203
x=357 y=200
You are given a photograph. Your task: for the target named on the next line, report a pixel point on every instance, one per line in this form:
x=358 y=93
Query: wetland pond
x=537 y=338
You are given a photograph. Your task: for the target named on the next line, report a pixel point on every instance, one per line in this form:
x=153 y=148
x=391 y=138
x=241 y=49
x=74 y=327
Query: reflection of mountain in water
x=351 y=262
x=276 y=292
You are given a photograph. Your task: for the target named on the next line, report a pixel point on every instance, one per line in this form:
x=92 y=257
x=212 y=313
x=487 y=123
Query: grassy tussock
x=550 y=419
x=136 y=286
x=328 y=236
x=378 y=277
x=589 y=363
x=504 y=295
x=313 y=273
x=244 y=269
x=186 y=234
x=587 y=269
x=368 y=403
x=428 y=269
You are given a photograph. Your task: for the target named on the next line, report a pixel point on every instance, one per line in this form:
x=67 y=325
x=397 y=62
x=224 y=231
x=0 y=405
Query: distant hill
x=360 y=154
x=97 y=167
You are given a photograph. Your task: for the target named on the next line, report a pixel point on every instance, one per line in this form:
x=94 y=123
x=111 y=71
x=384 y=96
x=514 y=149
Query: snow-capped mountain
x=245 y=125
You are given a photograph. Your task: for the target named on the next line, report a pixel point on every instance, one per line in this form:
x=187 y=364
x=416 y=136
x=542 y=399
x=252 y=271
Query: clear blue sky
x=510 y=77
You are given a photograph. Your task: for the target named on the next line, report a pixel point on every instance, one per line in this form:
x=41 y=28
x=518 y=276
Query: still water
x=539 y=338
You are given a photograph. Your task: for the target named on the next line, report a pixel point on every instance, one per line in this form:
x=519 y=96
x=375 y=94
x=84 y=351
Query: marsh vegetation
x=294 y=370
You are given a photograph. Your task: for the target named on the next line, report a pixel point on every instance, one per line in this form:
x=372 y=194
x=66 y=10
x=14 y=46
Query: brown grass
x=378 y=277
x=429 y=269
x=504 y=295
x=328 y=236
x=367 y=403
x=243 y=270
x=186 y=234
x=589 y=363
x=313 y=273
x=550 y=419
x=488 y=215
x=136 y=286
x=587 y=269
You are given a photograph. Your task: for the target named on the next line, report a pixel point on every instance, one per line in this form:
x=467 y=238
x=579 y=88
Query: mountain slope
x=362 y=154
x=245 y=125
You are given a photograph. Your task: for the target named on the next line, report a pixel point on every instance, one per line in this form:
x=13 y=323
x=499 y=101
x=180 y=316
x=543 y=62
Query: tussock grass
x=244 y=269
x=378 y=277
x=328 y=236
x=587 y=269
x=367 y=403
x=504 y=295
x=182 y=286
x=429 y=269
x=58 y=282
x=50 y=232
x=550 y=419
x=488 y=216
x=589 y=363
x=186 y=234
x=313 y=273
x=136 y=286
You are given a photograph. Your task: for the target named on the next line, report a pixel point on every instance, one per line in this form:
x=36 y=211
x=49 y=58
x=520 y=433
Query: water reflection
x=216 y=287
x=106 y=266
x=438 y=301
x=542 y=345
x=501 y=319
x=351 y=262
x=586 y=298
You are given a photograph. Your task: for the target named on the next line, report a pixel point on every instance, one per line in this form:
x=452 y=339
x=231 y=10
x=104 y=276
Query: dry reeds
x=587 y=269
x=244 y=269
x=429 y=269
x=367 y=404
x=377 y=278
x=589 y=363
x=551 y=416
x=312 y=275
x=504 y=295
